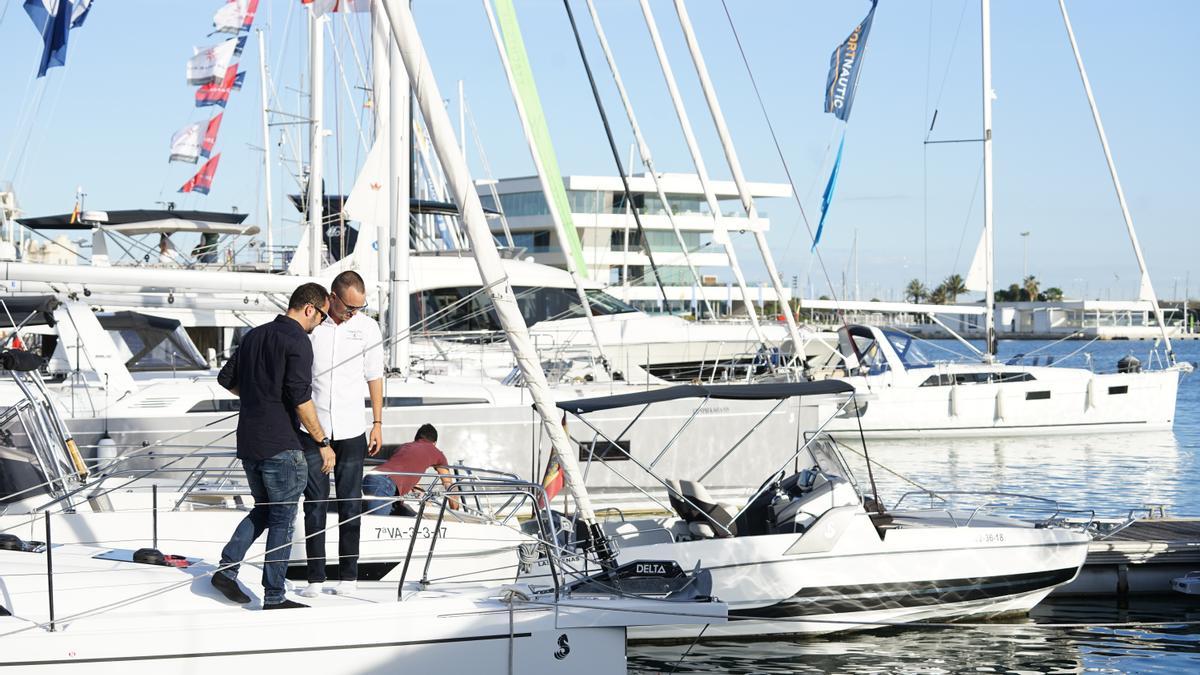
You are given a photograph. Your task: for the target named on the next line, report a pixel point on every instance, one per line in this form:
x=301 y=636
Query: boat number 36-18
x=991 y=538
x=564 y=647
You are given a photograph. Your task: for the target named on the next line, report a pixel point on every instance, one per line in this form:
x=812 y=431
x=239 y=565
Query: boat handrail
x=1056 y=510
x=521 y=490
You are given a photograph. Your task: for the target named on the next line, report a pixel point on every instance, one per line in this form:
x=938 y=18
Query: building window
x=534 y=242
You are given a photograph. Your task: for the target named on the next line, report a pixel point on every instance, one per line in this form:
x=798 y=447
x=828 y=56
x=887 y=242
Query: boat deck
x=1140 y=558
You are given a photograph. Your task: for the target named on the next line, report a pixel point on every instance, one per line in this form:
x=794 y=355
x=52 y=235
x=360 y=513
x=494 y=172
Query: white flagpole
x=316 y=158
x=266 y=131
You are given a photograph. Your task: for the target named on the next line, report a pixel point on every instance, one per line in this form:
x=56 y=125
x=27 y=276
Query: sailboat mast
x=720 y=234
x=1146 y=289
x=316 y=158
x=644 y=149
x=560 y=227
x=739 y=178
x=989 y=318
x=397 y=244
x=487 y=258
x=266 y=131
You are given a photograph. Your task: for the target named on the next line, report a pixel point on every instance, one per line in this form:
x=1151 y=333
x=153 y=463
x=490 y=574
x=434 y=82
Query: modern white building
x=612 y=248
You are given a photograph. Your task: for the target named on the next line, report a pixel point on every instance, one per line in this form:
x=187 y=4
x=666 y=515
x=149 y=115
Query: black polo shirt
x=272 y=369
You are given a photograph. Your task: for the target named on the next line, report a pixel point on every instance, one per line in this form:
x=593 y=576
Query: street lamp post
x=1025 y=256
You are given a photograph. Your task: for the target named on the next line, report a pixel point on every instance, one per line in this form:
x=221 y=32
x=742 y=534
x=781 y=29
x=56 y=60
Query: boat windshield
x=150 y=343
x=603 y=303
x=827 y=458
x=907 y=349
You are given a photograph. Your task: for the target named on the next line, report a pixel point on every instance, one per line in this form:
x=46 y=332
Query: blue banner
x=827 y=197
x=845 y=66
x=54 y=21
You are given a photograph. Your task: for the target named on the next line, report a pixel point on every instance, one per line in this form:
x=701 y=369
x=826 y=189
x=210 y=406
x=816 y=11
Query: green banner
x=518 y=60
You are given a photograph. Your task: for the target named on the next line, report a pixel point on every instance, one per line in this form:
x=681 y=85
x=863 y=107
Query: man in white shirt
x=347 y=363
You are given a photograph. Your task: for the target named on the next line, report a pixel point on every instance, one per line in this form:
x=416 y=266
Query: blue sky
x=104 y=122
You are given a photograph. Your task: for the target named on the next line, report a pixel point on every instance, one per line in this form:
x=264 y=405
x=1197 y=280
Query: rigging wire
x=612 y=144
x=779 y=151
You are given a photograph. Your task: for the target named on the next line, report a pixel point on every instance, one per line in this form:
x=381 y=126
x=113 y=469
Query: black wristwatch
x=325 y=442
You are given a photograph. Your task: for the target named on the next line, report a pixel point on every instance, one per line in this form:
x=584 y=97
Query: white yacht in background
x=902 y=393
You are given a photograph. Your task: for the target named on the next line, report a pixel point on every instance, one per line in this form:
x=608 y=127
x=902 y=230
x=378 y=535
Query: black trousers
x=347 y=483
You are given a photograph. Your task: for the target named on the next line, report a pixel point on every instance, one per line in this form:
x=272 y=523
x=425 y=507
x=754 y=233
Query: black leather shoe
x=229 y=588
x=286 y=604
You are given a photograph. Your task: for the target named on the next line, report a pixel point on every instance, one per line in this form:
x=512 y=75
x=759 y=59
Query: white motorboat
x=903 y=393
x=807 y=553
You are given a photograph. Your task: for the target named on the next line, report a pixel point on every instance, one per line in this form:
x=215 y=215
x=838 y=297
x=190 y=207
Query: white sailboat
x=905 y=394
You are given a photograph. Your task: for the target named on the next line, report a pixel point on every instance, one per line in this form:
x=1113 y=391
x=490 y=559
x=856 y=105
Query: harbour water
x=1112 y=474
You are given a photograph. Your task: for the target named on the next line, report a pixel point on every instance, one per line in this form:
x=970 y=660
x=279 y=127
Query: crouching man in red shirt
x=412 y=459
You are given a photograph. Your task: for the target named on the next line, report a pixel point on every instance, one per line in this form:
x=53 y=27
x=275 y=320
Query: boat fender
x=954 y=400
x=999 y=405
x=1129 y=364
x=1091 y=394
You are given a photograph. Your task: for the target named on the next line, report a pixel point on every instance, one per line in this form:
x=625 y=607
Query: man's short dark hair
x=427 y=432
x=348 y=279
x=308 y=294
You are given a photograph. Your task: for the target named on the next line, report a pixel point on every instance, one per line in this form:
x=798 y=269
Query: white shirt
x=345 y=357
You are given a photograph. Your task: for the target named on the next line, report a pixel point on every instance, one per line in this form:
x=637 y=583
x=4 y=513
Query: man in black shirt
x=271 y=372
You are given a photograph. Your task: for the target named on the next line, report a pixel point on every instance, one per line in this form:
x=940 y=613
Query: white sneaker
x=312 y=590
x=345 y=588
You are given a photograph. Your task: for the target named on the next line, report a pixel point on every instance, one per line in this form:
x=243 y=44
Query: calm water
x=1109 y=473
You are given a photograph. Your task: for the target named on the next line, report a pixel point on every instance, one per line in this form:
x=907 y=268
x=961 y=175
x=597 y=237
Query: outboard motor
x=1129 y=364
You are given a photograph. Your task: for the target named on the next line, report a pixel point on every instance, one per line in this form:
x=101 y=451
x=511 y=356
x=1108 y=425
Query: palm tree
x=1053 y=294
x=938 y=296
x=954 y=285
x=1031 y=287
x=916 y=290
x=1011 y=294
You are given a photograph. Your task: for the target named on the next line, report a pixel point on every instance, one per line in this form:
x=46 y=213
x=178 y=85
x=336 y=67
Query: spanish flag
x=552 y=478
x=75 y=213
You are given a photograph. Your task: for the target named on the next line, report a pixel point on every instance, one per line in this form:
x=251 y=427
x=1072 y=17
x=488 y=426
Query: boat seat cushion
x=693 y=503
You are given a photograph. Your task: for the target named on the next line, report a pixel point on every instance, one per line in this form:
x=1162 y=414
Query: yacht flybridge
x=807 y=552
x=902 y=392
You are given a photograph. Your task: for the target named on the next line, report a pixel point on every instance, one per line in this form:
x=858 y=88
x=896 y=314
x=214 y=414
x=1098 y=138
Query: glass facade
x=468 y=309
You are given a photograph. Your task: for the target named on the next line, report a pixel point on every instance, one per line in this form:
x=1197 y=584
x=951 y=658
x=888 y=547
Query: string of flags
x=323 y=7
x=54 y=19
x=214 y=70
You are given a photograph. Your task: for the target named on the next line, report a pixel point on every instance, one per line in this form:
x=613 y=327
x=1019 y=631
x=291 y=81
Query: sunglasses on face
x=350 y=309
x=323 y=313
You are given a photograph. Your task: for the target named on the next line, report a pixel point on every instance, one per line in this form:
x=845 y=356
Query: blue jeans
x=378 y=485
x=276 y=484
x=347 y=481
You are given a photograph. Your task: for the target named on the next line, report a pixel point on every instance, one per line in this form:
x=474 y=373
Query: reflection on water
x=1111 y=473
x=1040 y=643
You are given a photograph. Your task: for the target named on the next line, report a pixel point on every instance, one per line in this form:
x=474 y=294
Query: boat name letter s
x=564 y=647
